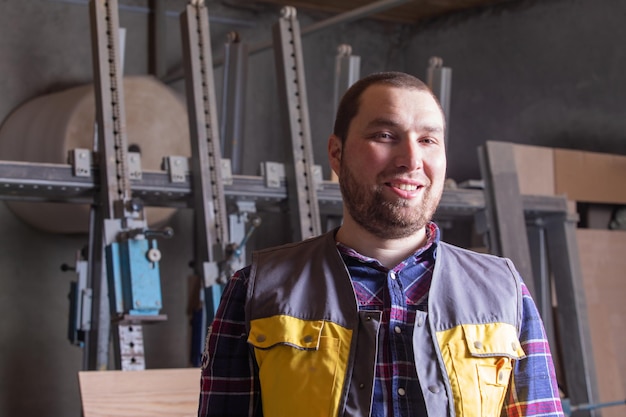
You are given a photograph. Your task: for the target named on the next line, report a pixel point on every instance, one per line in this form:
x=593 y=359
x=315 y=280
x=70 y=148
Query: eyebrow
x=382 y=122
x=385 y=122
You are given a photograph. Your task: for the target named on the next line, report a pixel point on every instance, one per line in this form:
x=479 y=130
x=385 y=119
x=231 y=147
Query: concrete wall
x=543 y=73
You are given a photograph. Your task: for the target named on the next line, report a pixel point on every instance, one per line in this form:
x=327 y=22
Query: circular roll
x=46 y=128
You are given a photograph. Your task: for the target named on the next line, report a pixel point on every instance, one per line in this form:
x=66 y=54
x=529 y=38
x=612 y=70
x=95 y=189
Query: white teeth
x=406 y=187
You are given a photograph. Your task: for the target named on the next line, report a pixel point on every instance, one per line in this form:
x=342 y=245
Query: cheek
x=370 y=158
x=436 y=167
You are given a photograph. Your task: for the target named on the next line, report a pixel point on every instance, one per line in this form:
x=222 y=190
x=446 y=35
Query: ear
x=335 y=149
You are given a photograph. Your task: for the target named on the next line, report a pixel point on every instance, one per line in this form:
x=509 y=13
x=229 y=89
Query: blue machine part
x=114 y=277
x=134 y=277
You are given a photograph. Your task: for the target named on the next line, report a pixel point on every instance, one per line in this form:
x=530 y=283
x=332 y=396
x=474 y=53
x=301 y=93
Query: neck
x=389 y=252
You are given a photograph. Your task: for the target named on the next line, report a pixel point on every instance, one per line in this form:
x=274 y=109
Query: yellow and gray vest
x=316 y=352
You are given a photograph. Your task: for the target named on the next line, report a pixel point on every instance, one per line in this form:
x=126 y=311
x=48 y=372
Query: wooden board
x=149 y=393
x=590 y=177
x=603 y=262
x=535 y=169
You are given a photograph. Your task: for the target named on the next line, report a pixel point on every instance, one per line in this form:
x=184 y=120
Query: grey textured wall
x=545 y=73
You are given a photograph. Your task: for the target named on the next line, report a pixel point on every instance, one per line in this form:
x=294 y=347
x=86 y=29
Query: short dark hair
x=349 y=104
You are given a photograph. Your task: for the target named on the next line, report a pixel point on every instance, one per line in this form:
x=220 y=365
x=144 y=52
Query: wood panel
x=603 y=264
x=149 y=393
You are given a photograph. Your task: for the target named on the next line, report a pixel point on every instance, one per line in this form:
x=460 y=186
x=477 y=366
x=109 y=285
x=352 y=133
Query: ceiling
x=404 y=11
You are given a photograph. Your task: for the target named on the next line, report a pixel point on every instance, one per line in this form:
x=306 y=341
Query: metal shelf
x=30 y=181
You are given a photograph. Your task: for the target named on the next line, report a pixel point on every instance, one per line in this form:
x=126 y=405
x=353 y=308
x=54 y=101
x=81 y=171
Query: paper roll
x=46 y=128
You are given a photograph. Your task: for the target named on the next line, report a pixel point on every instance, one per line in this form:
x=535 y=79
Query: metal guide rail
x=28 y=181
x=208 y=190
x=303 y=204
x=122 y=250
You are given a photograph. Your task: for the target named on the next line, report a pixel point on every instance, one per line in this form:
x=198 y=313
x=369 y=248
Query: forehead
x=382 y=98
x=408 y=104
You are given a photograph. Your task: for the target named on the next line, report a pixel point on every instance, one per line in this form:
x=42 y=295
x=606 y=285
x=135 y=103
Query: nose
x=409 y=155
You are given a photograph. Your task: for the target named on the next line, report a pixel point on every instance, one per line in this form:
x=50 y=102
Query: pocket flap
x=285 y=330
x=493 y=339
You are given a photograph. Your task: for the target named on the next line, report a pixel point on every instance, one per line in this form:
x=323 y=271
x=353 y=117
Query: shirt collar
x=433 y=236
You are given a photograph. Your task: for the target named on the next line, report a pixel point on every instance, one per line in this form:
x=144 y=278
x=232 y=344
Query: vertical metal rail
x=209 y=201
x=234 y=100
x=96 y=348
x=110 y=112
x=347 y=71
x=158 y=38
x=301 y=187
x=439 y=79
x=115 y=210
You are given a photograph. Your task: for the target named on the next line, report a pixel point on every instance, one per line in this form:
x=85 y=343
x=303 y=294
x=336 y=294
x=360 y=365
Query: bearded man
x=379 y=317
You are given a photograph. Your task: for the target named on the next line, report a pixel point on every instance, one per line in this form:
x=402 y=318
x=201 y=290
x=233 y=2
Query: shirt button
x=308 y=339
x=260 y=338
x=397 y=329
x=401 y=392
x=514 y=346
x=361 y=386
x=392 y=275
x=500 y=376
x=478 y=345
x=434 y=389
x=420 y=322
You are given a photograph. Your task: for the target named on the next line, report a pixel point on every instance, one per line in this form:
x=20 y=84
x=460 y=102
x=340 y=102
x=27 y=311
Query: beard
x=383 y=217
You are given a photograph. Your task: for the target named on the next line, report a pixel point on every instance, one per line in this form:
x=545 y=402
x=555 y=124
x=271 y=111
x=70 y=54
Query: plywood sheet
x=535 y=169
x=590 y=177
x=603 y=266
x=149 y=393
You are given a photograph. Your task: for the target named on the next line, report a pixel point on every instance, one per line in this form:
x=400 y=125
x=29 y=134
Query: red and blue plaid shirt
x=230 y=385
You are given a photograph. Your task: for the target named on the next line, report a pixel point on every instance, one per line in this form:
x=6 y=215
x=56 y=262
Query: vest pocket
x=493 y=380
x=301 y=365
x=479 y=360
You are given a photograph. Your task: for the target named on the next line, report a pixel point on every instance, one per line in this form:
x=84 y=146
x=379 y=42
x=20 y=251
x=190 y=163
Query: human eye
x=428 y=140
x=431 y=136
x=431 y=139
x=383 y=137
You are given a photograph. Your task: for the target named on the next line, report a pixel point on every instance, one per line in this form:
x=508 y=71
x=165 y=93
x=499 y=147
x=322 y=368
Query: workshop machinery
x=123 y=251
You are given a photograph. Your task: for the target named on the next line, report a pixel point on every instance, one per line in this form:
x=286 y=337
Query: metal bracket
x=227 y=172
x=131 y=347
x=177 y=167
x=134 y=166
x=81 y=160
x=273 y=173
x=80 y=302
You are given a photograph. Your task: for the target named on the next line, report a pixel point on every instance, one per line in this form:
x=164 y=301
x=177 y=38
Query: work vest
x=316 y=352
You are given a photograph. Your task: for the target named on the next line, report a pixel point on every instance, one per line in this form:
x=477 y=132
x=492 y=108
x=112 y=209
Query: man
x=379 y=317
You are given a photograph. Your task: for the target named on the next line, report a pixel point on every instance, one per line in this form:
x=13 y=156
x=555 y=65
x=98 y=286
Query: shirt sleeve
x=533 y=390
x=229 y=385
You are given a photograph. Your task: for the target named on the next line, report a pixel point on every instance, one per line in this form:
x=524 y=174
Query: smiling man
x=380 y=317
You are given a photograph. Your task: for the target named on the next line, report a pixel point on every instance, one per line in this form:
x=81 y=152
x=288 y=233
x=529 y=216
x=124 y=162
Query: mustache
x=402 y=174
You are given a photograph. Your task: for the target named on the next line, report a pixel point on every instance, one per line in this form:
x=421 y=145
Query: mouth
x=405 y=189
x=404 y=186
